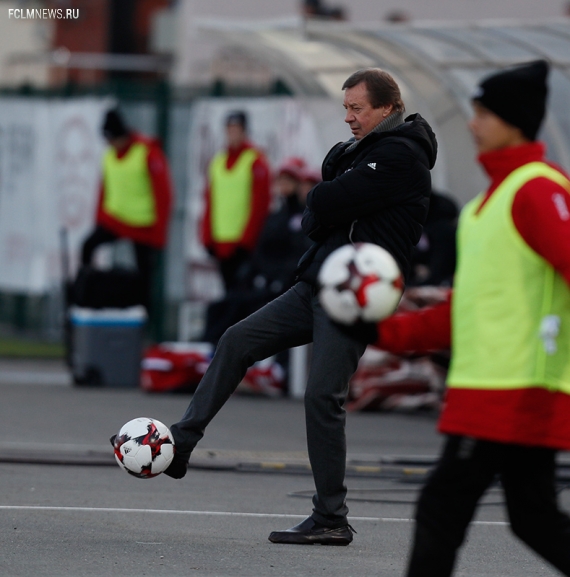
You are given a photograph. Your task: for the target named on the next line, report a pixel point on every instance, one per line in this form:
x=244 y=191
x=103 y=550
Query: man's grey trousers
x=293 y=319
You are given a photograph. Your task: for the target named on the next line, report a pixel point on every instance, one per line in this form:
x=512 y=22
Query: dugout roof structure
x=437 y=66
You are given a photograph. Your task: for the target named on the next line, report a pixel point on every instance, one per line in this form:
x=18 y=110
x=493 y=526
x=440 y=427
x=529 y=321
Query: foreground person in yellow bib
x=507 y=406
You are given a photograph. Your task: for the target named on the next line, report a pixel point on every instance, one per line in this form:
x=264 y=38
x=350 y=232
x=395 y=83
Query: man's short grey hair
x=381 y=87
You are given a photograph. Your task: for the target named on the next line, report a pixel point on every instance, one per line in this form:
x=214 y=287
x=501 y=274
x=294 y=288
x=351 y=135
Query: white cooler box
x=106 y=346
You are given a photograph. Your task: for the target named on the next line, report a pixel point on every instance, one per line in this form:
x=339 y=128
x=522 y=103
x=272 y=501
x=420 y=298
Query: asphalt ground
x=66 y=509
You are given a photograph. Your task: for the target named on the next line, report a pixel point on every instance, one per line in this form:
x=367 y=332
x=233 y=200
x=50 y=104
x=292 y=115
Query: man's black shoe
x=177 y=469
x=309 y=532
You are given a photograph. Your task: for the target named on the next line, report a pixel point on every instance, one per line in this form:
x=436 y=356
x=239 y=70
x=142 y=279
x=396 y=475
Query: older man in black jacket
x=375 y=189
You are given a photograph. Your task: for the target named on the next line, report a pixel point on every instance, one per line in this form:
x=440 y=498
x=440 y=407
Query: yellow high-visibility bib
x=128 y=188
x=231 y=192
x=510 y=310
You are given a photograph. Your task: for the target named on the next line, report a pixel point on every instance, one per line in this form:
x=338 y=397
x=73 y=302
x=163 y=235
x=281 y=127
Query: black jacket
x=280 y=245
x=434 y=257
x=376 y=192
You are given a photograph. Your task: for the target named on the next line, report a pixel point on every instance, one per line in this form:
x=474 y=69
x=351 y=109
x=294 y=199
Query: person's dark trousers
x=295 y=318
x=145 y=255
x=234 y=268
x=448 y=501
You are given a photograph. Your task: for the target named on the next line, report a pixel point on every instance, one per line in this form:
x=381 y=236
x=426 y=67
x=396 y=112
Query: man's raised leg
x=285 y=322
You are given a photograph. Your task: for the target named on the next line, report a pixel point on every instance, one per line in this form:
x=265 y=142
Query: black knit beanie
x=237 y=117
x=517 y=95
x=114 y=126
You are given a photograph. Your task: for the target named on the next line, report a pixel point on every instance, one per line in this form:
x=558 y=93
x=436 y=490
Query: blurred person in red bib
x=135 y=197
x=506 y=408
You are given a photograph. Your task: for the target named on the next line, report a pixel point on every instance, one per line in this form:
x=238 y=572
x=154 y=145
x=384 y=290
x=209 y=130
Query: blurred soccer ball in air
x=360 y=282
x=144 y=447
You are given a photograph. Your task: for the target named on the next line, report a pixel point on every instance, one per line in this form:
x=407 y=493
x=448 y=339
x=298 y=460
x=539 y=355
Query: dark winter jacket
x=281 y=244
x=377 y=191
x=434 y=257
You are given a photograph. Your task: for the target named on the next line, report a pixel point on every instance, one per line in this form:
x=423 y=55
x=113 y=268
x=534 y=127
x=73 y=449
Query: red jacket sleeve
x=261 y=188
x=162 y=188
x=417 y=332
x=205 y=225
x=541 y=214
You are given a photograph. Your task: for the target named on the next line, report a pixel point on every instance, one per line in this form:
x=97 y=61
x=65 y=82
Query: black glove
x=361 y=331
x=112 y=439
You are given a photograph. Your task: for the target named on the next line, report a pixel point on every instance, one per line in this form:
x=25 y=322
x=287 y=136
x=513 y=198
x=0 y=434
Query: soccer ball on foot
x=360 y=282
x=144 y=447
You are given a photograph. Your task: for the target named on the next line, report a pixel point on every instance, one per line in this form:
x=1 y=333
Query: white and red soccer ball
x=360 y=282
x=144 y=447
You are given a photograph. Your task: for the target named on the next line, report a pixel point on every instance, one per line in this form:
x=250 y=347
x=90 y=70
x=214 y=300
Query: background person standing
x=237 y=200
x=135 y=198
x=271 y=269
x=434 y=259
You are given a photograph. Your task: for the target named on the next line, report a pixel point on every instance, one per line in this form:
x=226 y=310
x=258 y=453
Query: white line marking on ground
x=211 y=513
